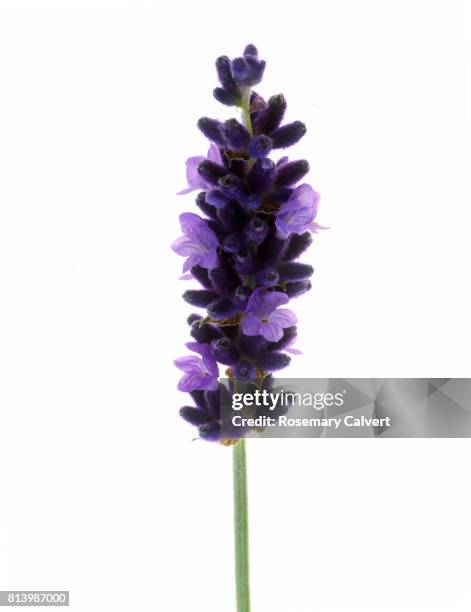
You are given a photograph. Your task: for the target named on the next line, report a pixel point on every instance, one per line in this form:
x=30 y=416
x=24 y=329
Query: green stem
x=241 y=527
x=246 y=111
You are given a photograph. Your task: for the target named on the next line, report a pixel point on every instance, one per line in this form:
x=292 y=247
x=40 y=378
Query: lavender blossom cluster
x=257 y=220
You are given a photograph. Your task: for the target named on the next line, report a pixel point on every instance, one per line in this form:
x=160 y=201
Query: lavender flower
x=199 y=372
x=258 y=222
x=298 y=213
x=263 y=317
x=199 y=243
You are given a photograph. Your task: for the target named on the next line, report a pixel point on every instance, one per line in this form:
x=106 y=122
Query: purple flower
x=298 y=213
x=195 y=180
x=199 y=372
x=262 y=316
x=199 y=243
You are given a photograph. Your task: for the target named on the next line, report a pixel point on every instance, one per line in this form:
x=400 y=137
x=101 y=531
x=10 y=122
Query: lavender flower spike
x=243 y=256
x=199 y=244
x=263 y=318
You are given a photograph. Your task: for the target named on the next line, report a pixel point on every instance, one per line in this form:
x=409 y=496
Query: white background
x=102 y=490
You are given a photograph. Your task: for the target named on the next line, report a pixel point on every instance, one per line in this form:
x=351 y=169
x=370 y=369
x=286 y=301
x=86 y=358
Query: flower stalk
x=241 y=527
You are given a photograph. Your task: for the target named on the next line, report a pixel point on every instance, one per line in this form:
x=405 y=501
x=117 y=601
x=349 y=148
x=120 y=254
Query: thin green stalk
x=246 y=111
x=241 y=527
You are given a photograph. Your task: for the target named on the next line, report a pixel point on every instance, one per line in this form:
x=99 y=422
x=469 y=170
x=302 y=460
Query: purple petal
x=293 y=351
x=271 y=301
x=185 y=246
x=193 y=178
x=214 y=154
x=194 y=381
x=254 y=304
x=190 y=363
x=251 y=325
x=283 y=317
x=197 y=347
x=272 y=331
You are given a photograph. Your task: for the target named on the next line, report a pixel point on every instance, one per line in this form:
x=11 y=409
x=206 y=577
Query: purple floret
x=298 y=213
x=199 y=372
x=263 y=317
x=198 y=244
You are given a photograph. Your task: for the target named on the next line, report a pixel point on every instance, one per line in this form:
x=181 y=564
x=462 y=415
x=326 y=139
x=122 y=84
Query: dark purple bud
x=291 y=173
x=297 y=288
x=251 y=50
x=294 y=271
x=272 y=249
x=256 y=69
x=213 y=402
x=232 y=243
x=244 y=261
x=289 y=335
x=192 y=318
x=252 y=201
x=273 y=361
x=210 y=432
x=199 y=297
x=240 y=70
x=298 y=243
x=265 y=277
x=248 y=70
x=228 y=98
x=288 y=135
x=194 y=416
x=217 y=228
x=236 y=134
x=261 y=175
x=222 y=309
x=280 y=196
x=244 y=371
x=223 y=68
x=257 y=103
x=252 y=345
x=217 y=198
x=260 y=146
x=234 y=186
x=224 y=351
x=271 y=117
x=204 y=333
x=238 y=166
x=206 y=208
x=212 y=129
x=198 y=397
x=211 y=172
x=201 y=275
x=242 y=294
x=256 y=230
x=224 y=279
x=233 y=217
